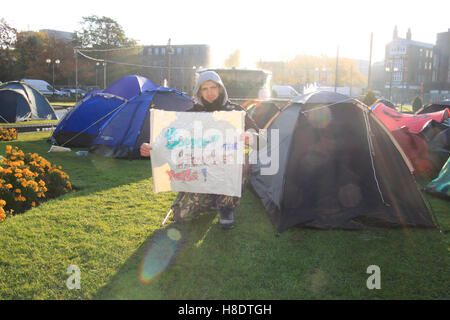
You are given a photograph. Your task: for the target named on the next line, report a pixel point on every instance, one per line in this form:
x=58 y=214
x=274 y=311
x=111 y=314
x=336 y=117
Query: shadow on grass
x=140 y=276
x=199 y=260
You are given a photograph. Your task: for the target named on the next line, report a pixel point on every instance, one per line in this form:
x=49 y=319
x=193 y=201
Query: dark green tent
x=20 y=101
x=441 y=185
x=338 y=167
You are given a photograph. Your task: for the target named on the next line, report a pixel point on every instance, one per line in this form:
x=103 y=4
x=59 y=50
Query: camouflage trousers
x=188 y=206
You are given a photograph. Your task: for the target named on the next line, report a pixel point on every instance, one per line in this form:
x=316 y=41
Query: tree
x=104 y=33
x=8 y=37
x=234 y=60
x=369 y=98
x=417 y=103
x=32 y=49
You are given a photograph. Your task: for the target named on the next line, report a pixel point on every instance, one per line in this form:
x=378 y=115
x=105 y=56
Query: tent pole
x=167 y=216
x=76 y=75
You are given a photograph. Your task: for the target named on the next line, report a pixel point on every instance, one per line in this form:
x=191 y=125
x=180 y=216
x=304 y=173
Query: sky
x=276 y=30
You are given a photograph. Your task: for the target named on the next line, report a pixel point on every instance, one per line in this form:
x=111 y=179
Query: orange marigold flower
x=33 y=204
x=18 y=191
x=9 y=186
x=2 y=202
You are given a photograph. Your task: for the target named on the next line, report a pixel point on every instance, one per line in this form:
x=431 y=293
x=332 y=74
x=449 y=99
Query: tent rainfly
x=20 y=102
x=339 y=168
x=122 y=135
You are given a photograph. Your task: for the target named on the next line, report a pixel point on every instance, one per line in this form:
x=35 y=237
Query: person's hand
x=247 y=137
x=145 y=149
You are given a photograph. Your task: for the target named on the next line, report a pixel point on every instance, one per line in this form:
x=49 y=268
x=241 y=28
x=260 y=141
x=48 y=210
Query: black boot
x=226 y=219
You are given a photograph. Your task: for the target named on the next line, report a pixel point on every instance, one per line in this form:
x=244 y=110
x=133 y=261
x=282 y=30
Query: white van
x=283 y=92
x=43 y=86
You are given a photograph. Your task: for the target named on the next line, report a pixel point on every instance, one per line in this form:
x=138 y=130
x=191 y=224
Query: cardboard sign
x=198 y=152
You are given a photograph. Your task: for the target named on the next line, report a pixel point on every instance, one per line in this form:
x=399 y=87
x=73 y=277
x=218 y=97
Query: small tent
x=122 y=135
x=441 y=185
x=127 y=87
x=20 y=101
x=338 y=167
x=82 y=123
x=394 y=119
x=130 y=86
x=387 y=103
x=262 y=110
x=434 y=107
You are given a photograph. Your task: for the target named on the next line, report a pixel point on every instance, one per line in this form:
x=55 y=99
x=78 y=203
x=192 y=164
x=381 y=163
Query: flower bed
x=26 y=180
x=8 y=134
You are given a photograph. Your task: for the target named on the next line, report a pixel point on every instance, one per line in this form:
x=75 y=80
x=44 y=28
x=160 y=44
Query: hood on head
x=209 y=76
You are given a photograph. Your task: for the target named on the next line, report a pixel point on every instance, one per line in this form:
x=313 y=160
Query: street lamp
x=97 y=65
x=170 y=51
x=53 y=62
x=391 y=70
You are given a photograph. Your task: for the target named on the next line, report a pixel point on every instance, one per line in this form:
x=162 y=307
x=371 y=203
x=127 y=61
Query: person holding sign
x=211 y=95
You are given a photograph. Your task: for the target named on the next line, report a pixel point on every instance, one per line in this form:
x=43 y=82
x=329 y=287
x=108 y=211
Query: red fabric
x=394 y=119
x=416 y=149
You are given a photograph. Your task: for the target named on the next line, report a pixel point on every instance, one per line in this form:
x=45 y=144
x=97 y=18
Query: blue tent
x=20 y=101
x=81 y=125
x=122 y=135
x=127 y=87
x=130 y=86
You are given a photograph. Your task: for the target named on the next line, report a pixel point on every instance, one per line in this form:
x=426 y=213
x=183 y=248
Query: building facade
x=174 y=65
x=441 y=62
x=408 y=68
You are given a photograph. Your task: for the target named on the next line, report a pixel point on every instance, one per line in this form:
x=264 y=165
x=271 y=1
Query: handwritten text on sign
x=197 y=151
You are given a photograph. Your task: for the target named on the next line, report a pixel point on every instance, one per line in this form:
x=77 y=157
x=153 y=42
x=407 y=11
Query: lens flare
x=320 y=118
x=159 y=255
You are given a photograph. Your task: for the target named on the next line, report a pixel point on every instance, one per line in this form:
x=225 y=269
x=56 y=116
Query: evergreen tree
x=369 y=98
x=417 y=103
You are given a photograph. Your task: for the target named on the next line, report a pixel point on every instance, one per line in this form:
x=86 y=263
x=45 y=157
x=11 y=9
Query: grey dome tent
x=434 y=107
x=20 y=101
x=339 y=168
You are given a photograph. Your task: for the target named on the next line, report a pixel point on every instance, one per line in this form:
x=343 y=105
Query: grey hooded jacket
x=225 y=105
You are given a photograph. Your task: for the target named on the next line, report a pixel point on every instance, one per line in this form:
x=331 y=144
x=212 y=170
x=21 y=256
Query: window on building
x=163 y=51
x=397 y=76
x=156 y=51
x=179 y=51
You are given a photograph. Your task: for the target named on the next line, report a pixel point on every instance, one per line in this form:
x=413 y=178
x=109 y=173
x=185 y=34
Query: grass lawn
x=64 y=103
x=111 y=228
x=26 y=123
x=405 y=108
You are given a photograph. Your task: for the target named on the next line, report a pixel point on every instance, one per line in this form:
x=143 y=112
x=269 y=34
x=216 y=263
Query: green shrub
x=417 y=103
x=369 y=98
